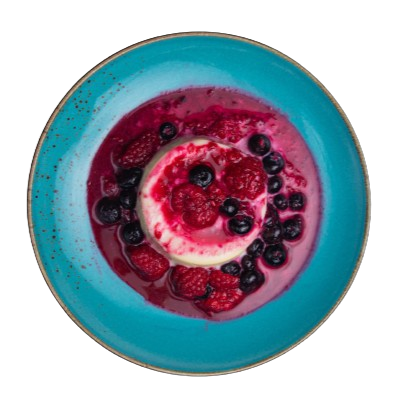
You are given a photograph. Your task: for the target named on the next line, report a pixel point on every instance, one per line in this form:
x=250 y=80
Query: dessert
x=206 y=201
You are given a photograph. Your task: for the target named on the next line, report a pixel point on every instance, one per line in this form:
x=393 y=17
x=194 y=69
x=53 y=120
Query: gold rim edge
x=124 y=51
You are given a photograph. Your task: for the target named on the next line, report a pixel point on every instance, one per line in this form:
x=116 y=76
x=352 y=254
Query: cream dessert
x=206 y=201
x=189 y=227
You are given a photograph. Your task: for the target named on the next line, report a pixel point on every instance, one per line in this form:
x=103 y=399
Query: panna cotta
x=169 y=204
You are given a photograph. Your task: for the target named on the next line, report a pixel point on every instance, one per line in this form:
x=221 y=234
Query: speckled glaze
x=103 y=305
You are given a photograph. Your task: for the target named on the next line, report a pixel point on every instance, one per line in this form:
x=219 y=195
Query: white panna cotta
x=170 y=229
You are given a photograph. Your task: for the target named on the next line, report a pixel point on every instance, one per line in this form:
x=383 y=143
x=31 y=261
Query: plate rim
x=180 y=35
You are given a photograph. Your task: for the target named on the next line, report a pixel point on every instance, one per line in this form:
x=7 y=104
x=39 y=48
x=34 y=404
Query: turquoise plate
x=106 y=308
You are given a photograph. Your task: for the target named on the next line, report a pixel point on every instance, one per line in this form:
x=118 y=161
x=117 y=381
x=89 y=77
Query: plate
x=115 y=315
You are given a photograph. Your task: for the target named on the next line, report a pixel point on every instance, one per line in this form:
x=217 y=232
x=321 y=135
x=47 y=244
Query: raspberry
x=149 y=263
x=109 y=186
x=216 y=193
x=245 y=179
x=194 y=205
x=140 y=151
x=189 y=283
x=221 y=301
x=223 y=281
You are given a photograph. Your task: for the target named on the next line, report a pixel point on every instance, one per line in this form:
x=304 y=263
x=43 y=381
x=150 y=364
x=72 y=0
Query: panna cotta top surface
x=183 y=218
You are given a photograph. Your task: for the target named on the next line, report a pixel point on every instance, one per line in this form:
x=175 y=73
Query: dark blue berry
x=127 y=199
x=272 y=234
x=132 y=233
x=251 y=280
x=167 y=131
x=293 y=228
x=129 y=178
x=201 y=175
x=281 y=202
x=272 y=216
x=232 y=268
x=274 y=184
x=296 y=201
x=259 y=145
x=256 y=248
x=275 y=255
x=248 y=263
x=273 y=163
x=240 y=225
x=230 y=207
x=108 y=210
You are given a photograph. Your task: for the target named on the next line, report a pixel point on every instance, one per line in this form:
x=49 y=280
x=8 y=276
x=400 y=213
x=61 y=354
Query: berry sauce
x=286 y=239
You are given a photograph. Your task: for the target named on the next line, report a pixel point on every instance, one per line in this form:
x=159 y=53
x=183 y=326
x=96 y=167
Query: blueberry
x=230 y=207
x=293 y=228
x=201 y=175
x=232 y=268
x=275 y=255
x=273 y=163
x=127 y=199
x=273 y=234
x=132 y=233
x=240 y=225
x=259 y=145
x=274 y=184
x=256 y=248
x=296 y=201
x=251 y=280
x=129 y=178
x=167 y=131
x=248 y=263
x=272 y=216
x=108 y=210
x=281 y=202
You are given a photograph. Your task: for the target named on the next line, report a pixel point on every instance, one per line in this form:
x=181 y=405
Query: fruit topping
x=221 y=301
x=127 y=199
x=167 y=131
x=201 y=175
x=129 y=178
x=272 y=234
x=281 y=202
x=293 y=228
x=296 y=201
x=251 y=280
x=256 y=248
x=132 y=233
x=241 y=224
x=274 y=184
x=275 y=255
x=273 y=163
x=189 y=283
x=230 y=207
x=149 y=264
x=248 y=263
x=246 y=178
x=259 y=144
x=223 y=281
x=108 y=211
x=232 y=268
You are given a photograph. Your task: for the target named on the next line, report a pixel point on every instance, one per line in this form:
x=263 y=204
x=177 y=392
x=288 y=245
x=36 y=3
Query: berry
x=256 y=248
x=274 y=184
x=127 y=199
x=273 y=163
x=149 y=263
x=223 y=281
x=296 y=201
x=272 y=216
x=240 y=225
x=139 y=152
x=189 y=283
x=216 y=193
x=132 y=233
x=293 y=228
x=259 y=144
x=167 y=131
x=230 y=207
x=251 y=280
x=248 y=263
x=108 y=211
x=272 y=234
x=129 y=178
x=201 y=175
x=193 y=203
x=221 y=301
x=246 y=178
x=281 y=202
x=233 y=268
x=275 y=255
